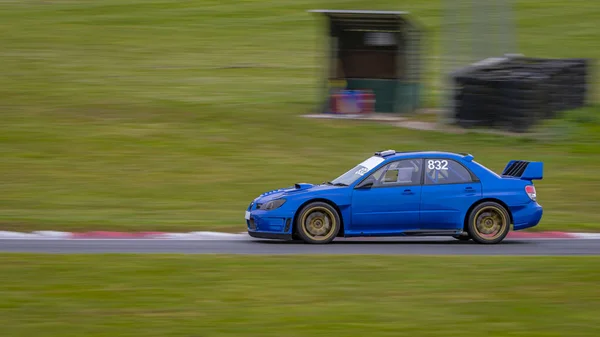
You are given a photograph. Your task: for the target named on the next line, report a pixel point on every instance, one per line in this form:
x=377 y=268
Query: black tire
x=317 y=223
x=485 y=217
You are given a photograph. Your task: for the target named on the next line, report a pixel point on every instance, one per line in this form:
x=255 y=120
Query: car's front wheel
x=318 y=222
x=489 y=223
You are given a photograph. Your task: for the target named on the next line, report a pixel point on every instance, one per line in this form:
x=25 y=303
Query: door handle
x=469 y=189
x=407 y=192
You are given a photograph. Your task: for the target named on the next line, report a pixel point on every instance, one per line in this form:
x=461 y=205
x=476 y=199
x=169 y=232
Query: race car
x=417 y=193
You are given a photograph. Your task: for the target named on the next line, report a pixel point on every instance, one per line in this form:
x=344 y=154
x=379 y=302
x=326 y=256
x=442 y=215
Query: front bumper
x=267 y=235
x=274 y=224
x=527 y=216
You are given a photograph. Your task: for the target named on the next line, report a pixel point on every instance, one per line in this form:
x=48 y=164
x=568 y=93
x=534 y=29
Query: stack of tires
x=516 y=93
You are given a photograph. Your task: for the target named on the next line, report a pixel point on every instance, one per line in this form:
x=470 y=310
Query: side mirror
x=367 y=183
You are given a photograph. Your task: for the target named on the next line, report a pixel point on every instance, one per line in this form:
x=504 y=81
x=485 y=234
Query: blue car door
x=449 y=189
x=391 y=204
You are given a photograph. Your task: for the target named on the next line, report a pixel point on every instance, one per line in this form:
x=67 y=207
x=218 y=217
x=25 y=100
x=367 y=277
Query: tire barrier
x=514 y=94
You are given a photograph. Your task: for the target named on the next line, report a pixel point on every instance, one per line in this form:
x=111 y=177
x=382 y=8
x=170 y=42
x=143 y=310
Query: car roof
x=392 y=154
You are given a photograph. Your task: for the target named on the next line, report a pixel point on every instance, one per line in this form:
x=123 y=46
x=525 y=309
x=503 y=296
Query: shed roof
x=347 y=12
x=358 y=18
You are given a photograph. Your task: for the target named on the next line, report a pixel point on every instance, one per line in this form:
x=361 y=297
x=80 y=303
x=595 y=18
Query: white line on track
x=219 y=236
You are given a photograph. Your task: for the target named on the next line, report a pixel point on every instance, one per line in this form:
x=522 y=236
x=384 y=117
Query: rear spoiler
x=526 y=170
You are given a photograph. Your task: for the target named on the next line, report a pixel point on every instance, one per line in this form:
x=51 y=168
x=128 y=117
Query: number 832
x=437 y=164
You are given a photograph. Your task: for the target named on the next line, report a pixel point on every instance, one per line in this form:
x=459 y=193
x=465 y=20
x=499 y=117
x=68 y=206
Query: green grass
x=128 y=115
x=169 y=295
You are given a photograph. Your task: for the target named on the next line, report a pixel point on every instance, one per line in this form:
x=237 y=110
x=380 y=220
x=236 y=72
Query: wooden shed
x=373 y=51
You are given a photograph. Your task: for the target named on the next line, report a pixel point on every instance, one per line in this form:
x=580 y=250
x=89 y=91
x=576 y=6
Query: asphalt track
x=395 y=246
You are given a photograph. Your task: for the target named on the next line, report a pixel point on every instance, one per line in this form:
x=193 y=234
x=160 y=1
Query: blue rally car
x=404 y=193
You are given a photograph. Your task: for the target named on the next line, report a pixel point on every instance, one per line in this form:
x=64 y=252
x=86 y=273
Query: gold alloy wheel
x=319 y=223
x=490 y=222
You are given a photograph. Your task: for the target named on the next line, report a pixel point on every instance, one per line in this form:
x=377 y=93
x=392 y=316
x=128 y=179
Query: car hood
x=298 y=188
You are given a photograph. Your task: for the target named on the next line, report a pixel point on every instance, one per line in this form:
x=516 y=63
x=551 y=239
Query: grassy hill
x=160 y=115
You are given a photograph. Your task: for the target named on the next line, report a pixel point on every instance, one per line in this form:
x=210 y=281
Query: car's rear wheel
x=318 y=222
x=489 y=223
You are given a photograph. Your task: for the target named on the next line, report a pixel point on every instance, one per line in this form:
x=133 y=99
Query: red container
x=353 y=102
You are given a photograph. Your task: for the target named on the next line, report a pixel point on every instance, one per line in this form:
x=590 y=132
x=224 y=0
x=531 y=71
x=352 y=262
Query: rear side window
x=445 y=171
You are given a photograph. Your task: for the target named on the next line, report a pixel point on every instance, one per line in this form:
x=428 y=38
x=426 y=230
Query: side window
x=445 y=171
x=401 y=172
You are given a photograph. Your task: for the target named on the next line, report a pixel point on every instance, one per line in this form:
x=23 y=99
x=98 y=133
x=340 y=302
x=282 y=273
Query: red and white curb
x=101 y=235
x=207 y=235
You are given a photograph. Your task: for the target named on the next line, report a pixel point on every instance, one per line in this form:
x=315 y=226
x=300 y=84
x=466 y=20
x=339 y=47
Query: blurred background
x=162 y=115
x=157 y=115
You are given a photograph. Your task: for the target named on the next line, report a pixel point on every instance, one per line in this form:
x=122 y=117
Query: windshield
x=358 y=171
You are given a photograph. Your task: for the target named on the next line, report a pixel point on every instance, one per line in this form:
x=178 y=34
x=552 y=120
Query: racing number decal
x=437 y=165
x=362 y=171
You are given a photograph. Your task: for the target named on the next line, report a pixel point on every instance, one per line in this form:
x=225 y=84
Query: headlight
x=273 y=204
